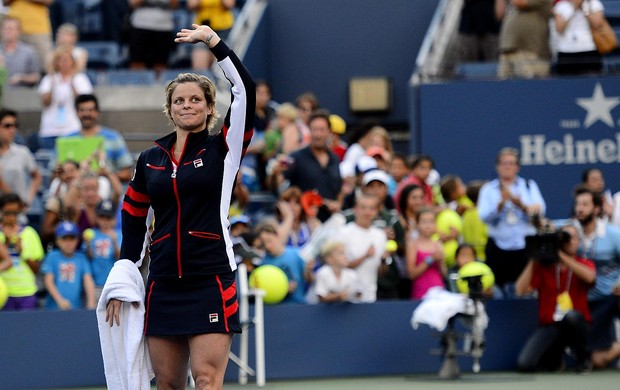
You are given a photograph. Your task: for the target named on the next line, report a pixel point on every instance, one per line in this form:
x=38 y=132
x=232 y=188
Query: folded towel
x=125 y=354
x=439 y=305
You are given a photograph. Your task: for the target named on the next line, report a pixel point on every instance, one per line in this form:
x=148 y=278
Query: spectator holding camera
x=563 y=313
x=507 y=205
x=600 y=242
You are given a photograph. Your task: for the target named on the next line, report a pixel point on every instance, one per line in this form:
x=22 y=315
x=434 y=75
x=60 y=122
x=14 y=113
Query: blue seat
x=45 y=159
x=94 y=76
x=102 y=54
x=612 y=9
x=476 y=70
x=611 y=64
x=130 y=77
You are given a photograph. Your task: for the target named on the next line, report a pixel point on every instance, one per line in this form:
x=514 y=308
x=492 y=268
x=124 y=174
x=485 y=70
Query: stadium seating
x=130 y=77
x=476 y=70
x=102 y=54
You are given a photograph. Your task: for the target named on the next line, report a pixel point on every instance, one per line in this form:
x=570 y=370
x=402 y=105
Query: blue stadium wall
x=561 y=126
x=43 y=349
x=318 y=45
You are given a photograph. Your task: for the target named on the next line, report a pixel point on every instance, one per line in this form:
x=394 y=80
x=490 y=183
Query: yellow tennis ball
x=447 y=219
x=391 y=246
x=88 y=234
x=4 y=293
x=272 y=280
x=475 y=268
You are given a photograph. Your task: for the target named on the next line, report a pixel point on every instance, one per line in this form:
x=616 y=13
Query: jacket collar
x=167 y=142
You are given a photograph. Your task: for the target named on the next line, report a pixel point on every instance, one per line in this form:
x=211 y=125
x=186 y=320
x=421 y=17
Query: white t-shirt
x=326 y=282
x=60 y=118
x=357 y=241
x=577 y=36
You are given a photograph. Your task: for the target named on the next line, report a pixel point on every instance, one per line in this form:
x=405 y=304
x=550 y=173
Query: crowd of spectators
x=402 y=224
x=531 y=38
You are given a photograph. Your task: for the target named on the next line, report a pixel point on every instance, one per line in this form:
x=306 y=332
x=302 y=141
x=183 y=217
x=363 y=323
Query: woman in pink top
x=425 y=257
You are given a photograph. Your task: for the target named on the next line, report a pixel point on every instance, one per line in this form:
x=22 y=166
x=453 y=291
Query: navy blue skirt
x=190 y=306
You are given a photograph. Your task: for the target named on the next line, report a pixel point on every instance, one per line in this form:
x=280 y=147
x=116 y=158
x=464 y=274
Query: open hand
x=198 y=34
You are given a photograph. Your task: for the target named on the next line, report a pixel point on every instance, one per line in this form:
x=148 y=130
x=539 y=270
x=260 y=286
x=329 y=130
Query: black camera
x=544 y=245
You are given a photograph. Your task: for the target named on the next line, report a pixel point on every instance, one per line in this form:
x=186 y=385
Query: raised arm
x=239 y=121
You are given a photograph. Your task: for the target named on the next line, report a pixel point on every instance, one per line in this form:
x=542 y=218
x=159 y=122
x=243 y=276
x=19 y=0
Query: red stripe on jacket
x=135 y=211
x=137 y=196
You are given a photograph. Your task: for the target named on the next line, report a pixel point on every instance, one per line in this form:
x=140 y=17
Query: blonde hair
x=59 y=52
x=330 y=247
x=383 y=133
x=208 y=88
x=68 y=28
x=288 y=111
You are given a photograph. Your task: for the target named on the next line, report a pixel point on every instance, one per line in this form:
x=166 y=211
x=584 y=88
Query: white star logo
x=599 y=107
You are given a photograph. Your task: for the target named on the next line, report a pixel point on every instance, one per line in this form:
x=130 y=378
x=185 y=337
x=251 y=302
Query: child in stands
x=335 y=282
x=425 y=257
x=67 y=272
x=25 y=252
x=102 y=244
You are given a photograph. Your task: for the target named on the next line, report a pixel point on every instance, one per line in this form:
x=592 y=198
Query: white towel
x=125 y=354
x=439 y=305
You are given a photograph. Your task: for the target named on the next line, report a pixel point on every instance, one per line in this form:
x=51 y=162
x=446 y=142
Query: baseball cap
x=338 y=125
x=365 y=164
x=376 y=174
x=67 y=228
x=239 y=219
x=375 y=151
x=105 y=208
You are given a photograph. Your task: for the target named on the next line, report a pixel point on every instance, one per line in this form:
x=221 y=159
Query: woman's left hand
x=113 y=311
x=198 y=34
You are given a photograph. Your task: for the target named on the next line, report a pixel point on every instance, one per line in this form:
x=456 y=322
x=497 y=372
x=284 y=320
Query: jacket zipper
x=176 y=196
x=178 y=200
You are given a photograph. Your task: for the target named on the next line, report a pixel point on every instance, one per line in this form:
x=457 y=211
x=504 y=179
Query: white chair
x=244 y=292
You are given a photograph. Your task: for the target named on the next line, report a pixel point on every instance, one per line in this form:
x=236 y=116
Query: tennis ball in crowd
x=391 y=246
x=88 y=234
x=475 y=268
x=4 y=293
x=272 y=280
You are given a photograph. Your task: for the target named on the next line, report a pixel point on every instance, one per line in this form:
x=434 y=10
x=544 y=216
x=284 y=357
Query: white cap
x=365 y=164
x=376 y=174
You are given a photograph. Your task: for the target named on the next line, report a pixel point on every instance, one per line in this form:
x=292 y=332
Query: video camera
x=545 y=244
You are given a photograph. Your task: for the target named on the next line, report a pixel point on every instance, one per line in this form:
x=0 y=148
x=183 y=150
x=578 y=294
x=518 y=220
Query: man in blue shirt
x=600 y=242
x=507 y=205
x=114 y=145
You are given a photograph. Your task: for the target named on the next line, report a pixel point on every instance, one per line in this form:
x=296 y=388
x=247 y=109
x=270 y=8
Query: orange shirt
x=34 y=18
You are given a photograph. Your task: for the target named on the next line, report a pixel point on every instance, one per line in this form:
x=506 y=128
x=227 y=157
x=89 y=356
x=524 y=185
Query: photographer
x=563 y=313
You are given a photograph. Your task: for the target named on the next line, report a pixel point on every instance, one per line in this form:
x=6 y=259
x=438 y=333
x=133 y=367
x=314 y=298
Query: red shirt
x=339 y=150
x=545 y=278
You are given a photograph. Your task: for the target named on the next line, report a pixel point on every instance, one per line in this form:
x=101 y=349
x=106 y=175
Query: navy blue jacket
x=191 y=197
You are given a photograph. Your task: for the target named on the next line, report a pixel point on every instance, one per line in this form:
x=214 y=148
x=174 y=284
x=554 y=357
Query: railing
x=245 y=26
x=430 y=61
